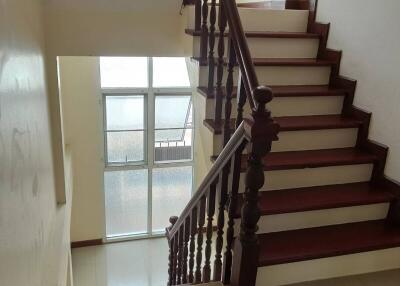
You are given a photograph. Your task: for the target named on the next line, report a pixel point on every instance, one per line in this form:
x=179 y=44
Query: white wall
x=34 y=229
x=82 y=126
x=368 y=33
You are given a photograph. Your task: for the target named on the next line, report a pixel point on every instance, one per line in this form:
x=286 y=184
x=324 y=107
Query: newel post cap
x=173 y=220
x=262 y=94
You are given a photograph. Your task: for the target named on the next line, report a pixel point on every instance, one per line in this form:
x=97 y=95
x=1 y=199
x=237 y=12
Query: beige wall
x=101 y=28
x=82 y=126
x=118 y=27
x=107 y=28
x=34 y=229
x=368 y=33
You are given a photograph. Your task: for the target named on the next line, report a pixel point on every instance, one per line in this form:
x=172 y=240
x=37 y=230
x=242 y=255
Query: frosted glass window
x=126 y=202
x=172 y=111
x=123 y=72
x=172 y=188
x=138 y=99
x=170 y=72
x=125 y=146
x=125 y=112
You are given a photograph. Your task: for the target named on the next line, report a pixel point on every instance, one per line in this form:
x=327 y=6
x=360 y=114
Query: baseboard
x=299 y=4
x=85 y=243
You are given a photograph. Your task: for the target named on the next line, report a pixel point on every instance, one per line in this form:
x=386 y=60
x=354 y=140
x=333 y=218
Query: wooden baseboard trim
x=298 y=4
x=85 y=243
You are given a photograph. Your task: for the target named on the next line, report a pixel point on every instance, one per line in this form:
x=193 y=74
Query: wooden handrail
x=221 y=184
x=223 y=158
x=256 y=94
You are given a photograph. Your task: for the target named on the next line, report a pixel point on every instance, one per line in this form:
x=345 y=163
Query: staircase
x=310 y=205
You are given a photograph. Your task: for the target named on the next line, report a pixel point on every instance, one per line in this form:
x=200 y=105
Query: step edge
x=354 y=250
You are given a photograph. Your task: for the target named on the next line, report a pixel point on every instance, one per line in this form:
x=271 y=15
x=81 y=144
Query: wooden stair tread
x=297 y=123
x=298 y=62
x=321 y=197
x=327 y=241
x=313 y=159
x=266 y=34
x=290 y=91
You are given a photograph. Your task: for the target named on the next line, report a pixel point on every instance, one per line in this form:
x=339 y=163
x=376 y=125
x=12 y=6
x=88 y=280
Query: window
x=125 y=128
x=173 y=128
x=148 y=134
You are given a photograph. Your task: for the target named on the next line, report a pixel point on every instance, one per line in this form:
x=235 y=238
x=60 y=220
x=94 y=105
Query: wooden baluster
x=199 y=254
x=220 y=67
x=171 y=259
x=262 y=132
x=186 y=251
x=204 y=33
x=180 y=255
x=233 y=195
x=170 y=262
x=220 y=236
x=192 y=247
x=197 y=13
x=210 y=217
x=175 y=261
x=241 y=100
x=227 y=135
x=211 y=41
x=229 y=91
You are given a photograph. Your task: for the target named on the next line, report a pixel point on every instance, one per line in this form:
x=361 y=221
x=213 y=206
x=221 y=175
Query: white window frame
x=148 y=163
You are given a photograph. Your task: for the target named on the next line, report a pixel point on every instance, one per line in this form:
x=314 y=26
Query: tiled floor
x=144 y=263
x=133 y=263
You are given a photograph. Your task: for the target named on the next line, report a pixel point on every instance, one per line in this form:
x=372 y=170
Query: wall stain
x=35 y=185
x=2 y=157
x=17 y=160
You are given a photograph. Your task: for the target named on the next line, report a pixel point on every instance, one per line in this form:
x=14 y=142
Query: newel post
x=261 y=131
x=172 y=253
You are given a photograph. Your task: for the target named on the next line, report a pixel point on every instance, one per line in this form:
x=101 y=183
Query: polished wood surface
x=327 y=241
x=299 y=123
x=321 y=197
x=293 y=91
x=266 y=34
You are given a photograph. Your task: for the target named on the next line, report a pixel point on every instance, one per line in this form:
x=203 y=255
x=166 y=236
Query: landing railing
x=220 y=189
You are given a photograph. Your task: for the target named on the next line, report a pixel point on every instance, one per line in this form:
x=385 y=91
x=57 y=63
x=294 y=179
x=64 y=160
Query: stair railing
x=237 y=265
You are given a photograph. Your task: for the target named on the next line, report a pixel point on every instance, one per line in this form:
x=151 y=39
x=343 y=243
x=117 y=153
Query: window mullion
x=150 y=143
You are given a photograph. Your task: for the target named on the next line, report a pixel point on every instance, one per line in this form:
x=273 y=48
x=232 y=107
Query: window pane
x=126 y=202
x=126 y=146
x=170 y=72
x=123 y=72
x=172 y=188
x=167 y=149
x=125 y=112
x=172 y=111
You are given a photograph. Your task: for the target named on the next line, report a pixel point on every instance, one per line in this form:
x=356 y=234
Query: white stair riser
x=308 y=219
x=270 y=47
x=305 y=140
x=324 y=268
x=263 y=19
x=310 y=177
x=279 y=75
x=286 y=106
